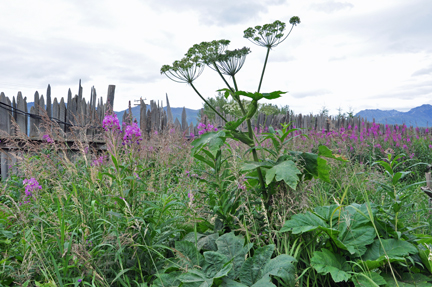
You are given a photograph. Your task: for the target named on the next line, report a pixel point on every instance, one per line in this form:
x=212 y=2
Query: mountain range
x=418 y=117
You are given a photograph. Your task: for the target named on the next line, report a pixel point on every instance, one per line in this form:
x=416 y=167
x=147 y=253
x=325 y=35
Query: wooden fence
x=156 y=118
x=16 y=121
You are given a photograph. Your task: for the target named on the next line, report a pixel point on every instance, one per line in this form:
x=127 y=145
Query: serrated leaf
x=282 y=267
x=253 y=165
x=300 y=223
x=252 y=269
x=243 y=137
x=233 y=248
x=325 y=262
x=214 y=262
x=195 y=278
x=286 y=171
x=170 y=279
x=408 y=280
x=187 y=254
x=371 y=279
x=395 y=249
x=227 y=282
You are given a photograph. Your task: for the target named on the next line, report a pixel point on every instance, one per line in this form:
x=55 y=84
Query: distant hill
x=191 y=115
x=417 y=117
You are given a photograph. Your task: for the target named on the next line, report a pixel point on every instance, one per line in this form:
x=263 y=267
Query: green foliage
x=227 y=265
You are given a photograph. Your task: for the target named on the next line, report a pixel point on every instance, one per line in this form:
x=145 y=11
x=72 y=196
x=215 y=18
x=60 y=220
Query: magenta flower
x=132 y=133
x=111 y=122
x=48 y=138
x=31 y=185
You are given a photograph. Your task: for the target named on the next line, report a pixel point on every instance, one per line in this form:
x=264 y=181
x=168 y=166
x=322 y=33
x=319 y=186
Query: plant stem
x=202 y=98
x=223 y=78
x=251 y=135
x=265 y=64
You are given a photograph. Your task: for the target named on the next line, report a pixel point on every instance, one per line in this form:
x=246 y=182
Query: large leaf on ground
x=252 y=269
x=195 y=278
x=371 y=279
x=356 y=230
x=309 y=162
x=167 y=279
x=282 y=267
x=396 y=250
x=305 y=222
x=214 y=139
x=204 y=241
x=325 y=262
x=188 y=255
x=286 y=171
x=233 y=248
x=408 y=280
x=214 y=262
x=328 y=213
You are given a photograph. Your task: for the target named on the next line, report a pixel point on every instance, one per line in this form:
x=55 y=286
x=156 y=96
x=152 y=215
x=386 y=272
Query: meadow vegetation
x=270 y=206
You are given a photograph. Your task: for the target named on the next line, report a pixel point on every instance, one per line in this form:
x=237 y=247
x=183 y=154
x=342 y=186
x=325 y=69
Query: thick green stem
x=222 y=117
x=262 y=74
x=254 y=152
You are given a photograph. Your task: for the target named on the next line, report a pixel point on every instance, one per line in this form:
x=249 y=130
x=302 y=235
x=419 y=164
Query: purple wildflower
x=31 y=185
x=48 y=138
x=111 y=121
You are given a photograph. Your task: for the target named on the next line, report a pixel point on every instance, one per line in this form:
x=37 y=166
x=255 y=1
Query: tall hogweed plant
x=275 y=165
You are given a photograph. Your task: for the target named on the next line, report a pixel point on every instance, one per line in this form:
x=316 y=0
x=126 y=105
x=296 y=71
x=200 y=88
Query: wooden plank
x=62 y=114
x=143 y=119
x=48 y=102
x=110 y=96
x=184 y=124
x=9 y=117
x=33 y=124
x=41 y=113
x=170 y=119
x=3 y=115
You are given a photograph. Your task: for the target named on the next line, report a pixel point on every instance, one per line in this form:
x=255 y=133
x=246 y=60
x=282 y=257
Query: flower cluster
x=31 y=185
x=111 y=122
x=99 y=161
x=47 y=138
x=132 y=133
x=203 y=128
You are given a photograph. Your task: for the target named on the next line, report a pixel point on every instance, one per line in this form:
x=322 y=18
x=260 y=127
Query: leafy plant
x=227 y=265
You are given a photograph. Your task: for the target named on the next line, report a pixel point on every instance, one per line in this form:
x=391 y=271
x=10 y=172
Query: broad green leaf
x=408 y=280
x=214 y=139
x=233 y=248
x=214 y=262
x=310 y=163
x=395 y=249
x=252 y=269
x=371 y=279
x=323 y=170
x=356 y=230
x=326 y=261
x=300 y=223
x=226 y=282
x=188 y=255
x=273 y=95
x=286 y=171
x=328 y=213
x=170 y=279
x=253 y=165
x=204 y=241
x=195 y=278
x=282 y=267
x=265 y=281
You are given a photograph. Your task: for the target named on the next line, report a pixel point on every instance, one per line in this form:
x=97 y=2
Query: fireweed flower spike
x=186 y=71
x=269 y=35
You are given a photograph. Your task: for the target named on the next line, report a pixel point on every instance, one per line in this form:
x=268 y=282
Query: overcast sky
x=364 y=54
